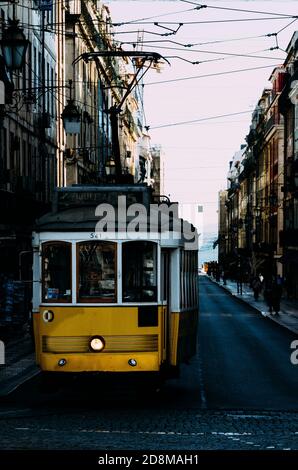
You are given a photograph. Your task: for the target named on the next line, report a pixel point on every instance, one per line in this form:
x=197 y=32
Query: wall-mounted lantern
x=14 y=46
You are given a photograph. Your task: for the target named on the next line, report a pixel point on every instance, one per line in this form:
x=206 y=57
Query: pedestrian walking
x=239 y=283
x=268 y=294
x=256 y=287
x=276 y=297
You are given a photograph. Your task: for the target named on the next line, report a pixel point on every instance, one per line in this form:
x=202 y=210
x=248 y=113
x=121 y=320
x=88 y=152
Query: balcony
x=274 y=120
x=249 y=166
x=251 y=137
x=73 y=10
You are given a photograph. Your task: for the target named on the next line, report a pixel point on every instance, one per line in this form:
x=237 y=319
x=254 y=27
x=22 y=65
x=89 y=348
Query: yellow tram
x=109 y=299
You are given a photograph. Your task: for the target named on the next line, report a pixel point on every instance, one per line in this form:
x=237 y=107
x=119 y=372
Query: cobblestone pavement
x=129 y=429
x=238 y=393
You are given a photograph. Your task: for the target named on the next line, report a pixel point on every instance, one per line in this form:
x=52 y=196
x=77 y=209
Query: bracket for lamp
x=115 y=109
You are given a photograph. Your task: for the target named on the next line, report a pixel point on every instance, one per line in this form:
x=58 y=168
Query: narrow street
x=239 y=392
x=245 y=357
x=147 y=148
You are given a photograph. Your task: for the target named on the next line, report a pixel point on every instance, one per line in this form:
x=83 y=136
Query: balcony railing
x=274 y=120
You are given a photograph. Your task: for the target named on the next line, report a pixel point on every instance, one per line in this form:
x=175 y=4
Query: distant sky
x=197 y=155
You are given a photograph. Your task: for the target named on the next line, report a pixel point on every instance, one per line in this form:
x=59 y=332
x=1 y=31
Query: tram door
x=165 y=300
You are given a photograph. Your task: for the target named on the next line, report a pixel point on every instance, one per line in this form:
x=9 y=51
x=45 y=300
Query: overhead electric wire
x=200 y=120
x=199 y=6
x=113 y=33
x=210 y=52
x=229 y=54
x=198 y=43
x=198 y=62
x=234 y=9
x=230 y=20
x=152 y=17
x=282 y=29
x=211 y=75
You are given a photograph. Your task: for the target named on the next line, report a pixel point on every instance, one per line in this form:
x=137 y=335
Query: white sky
x=197 y=155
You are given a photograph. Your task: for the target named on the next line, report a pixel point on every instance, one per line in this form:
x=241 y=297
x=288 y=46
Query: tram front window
x=56 y=272
x=97 y=272
x=139 y=272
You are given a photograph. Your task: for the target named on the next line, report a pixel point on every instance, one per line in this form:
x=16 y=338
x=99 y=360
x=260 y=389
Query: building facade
x=36 y=152
x=289 y=109
x=262 y=194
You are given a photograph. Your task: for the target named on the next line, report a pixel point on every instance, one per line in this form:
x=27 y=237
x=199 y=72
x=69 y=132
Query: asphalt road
x=239 y=392
x=245 y=357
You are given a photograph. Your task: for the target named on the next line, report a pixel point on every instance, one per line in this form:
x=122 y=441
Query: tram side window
x=139 y=272
x=96 y=272
x=188 y=279
x=56 y=272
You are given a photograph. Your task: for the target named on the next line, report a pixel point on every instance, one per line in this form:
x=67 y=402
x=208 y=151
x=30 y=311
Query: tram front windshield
x=139 y=272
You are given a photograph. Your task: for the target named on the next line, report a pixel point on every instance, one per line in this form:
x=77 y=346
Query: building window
x=24 y=163
x=139 y=272
x=11 y=151
x=29 y=160
x=2 y=16
x=296 y=130
x=48 y=85
x=56 y=272
x=52 y=93
x=96 y=272
x=35 y=72
x=3 y=149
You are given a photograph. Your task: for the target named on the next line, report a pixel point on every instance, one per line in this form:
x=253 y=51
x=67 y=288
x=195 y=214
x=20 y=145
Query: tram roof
x=77 y=209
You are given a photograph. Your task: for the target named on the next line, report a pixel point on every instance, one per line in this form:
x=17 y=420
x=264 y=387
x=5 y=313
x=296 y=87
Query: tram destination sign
x=76 y=197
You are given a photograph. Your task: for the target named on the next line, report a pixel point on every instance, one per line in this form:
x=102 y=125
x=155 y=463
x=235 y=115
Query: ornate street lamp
x=71 y=118
x=14 y=46
x=110 y=167
x=71 y=115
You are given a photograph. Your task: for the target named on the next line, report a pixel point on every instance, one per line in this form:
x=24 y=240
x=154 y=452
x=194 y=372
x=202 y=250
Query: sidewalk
x=287 y=316
x=19 y=363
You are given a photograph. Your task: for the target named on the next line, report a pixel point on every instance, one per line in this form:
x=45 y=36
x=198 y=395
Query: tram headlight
x=97 y=343
x=132 y=362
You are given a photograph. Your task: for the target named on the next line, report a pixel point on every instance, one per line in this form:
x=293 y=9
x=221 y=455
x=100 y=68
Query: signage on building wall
x=45 y=5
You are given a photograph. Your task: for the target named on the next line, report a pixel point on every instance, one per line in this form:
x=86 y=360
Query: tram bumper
x=100 y=362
